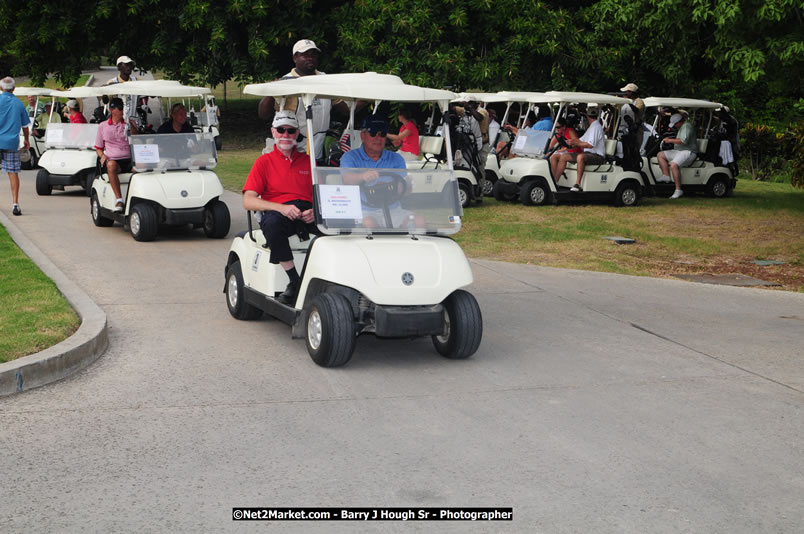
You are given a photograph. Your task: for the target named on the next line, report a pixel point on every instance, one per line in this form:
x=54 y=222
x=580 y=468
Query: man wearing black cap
x=280 y=187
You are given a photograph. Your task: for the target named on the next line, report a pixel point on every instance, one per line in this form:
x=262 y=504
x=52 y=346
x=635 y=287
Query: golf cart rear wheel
x=94 y=209
x=43 y=187
x=330 y=330
x=463 y=327
x=464 y=195
x=717 y=187
x=89 y=177
x=626 y=194
x=142 y=222
x=218 y=143
x=534 y=193
x=216 y=220
x=235 y=295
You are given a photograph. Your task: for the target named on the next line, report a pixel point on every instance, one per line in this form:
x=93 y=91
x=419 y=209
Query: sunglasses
x=375 y=133
x=282 y=129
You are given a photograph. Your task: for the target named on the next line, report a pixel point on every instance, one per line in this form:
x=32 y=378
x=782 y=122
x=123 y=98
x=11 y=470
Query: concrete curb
x=71 y=355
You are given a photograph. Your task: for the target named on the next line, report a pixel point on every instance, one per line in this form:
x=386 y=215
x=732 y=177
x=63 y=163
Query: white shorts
x=682 y=158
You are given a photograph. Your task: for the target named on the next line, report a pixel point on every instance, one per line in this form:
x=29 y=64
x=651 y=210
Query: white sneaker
x=664 y=180
x=118 y=206
x=677 y=194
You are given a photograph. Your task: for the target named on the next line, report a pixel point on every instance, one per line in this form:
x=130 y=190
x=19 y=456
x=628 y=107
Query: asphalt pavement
x=596 y=403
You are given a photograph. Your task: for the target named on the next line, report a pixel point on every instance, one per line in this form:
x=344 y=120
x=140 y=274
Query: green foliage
x=793 y=145
x=761 y=146
x=745 y=53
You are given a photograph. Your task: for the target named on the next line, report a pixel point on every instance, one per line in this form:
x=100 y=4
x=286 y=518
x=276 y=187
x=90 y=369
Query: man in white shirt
x=125 y=69
x=305 y=56
x=593 y=143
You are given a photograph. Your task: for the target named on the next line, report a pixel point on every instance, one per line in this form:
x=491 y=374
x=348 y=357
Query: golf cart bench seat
x=430 y=147
x=699 y=162
x=611 y=150
x=295 y=243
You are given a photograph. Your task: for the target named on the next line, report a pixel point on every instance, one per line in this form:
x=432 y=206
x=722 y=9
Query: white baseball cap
x=303 y=46
x=285 y=118
x=630 y=87
x=675 y=118
x=124 y=59
x=72 y=104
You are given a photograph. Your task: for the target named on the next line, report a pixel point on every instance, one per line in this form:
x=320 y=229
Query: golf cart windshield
x=396 y=201
x=68 y=135
x=530 y=142
x=169 y=152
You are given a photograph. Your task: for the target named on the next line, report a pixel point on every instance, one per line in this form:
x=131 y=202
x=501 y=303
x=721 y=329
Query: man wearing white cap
x=632 y=91
x=682 y=155
x=280 y=187
x=305 y=56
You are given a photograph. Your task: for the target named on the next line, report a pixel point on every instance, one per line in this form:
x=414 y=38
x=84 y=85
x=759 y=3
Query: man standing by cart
x=125 y=68
x=280 y=187
x=13 y=117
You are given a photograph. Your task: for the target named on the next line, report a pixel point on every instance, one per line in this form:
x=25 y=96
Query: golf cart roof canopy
x=33 y=91
x=656 y=101
x=77 y=92
x=484 y=97
x=352 y=86
x=163 y=88
x=522 y=96
x=569 y=97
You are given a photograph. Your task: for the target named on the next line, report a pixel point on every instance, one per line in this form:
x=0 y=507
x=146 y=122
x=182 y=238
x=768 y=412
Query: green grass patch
x=33 y=313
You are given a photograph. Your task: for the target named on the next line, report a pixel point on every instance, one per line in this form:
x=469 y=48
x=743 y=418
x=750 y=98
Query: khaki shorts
x=590 y=158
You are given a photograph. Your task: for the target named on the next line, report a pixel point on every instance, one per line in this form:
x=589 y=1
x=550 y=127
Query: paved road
x=596 y=403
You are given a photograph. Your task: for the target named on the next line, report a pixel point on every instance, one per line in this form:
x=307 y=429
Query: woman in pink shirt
x=408 y=136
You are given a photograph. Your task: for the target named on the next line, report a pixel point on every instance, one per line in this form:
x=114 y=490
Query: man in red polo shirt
x=280 y=186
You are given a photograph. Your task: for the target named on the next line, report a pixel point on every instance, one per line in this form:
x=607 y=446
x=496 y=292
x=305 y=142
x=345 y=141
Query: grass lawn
x=33 y=313
x=691 y=235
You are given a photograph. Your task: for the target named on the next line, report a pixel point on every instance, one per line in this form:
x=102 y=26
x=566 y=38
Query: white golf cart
x=529 y=177
x=384 y=264
x=526 y=102
x=172 y=182
x=206 y=118
x=709 y=173
x=69 y=158
x=30 y=159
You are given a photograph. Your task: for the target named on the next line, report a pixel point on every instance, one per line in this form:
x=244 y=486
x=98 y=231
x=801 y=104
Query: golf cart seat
x=430 y=147
x=608 y=165
x=295 y=243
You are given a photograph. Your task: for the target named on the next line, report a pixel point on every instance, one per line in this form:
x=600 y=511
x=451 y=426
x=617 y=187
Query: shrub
x=761 y=146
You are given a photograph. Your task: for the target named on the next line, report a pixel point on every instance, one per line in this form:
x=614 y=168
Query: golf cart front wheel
x=27 y=159
x=488 y=184
x=330 y=330
x=143 y=223
x=463 y=327
x=94 y=209
x=534 y=193
x=43 y=187
x=235 y=295
x=216 y=220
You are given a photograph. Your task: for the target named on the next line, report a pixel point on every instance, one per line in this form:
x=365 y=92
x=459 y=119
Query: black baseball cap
x=374 y=124
x=116 y=103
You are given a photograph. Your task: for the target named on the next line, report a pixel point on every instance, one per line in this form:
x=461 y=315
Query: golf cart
x=69 y=158
x=205 y=120
x=495 y=159
x=384 y=263
x=30 y=159
x=172 y=182
x=529 y=177
x=711 y=172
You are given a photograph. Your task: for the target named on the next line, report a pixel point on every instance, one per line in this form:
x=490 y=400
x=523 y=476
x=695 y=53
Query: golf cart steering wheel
x=385 y=190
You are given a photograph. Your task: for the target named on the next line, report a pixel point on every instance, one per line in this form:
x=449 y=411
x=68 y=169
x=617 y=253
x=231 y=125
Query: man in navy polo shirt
x=13 y=117
x=372 y=155
x=280 y=186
